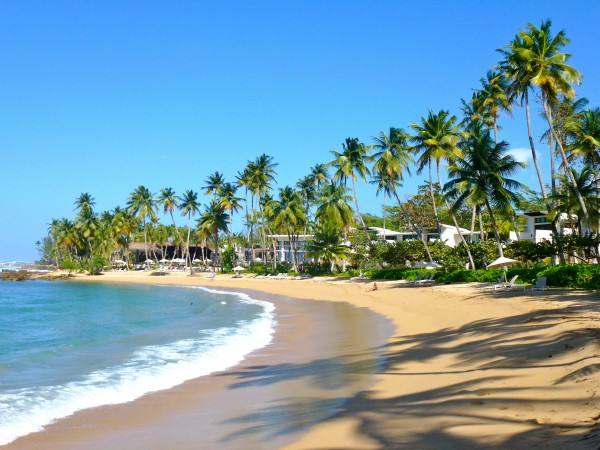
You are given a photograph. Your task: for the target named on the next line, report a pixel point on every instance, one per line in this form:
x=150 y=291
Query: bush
x=69 y=265
x=582 y=276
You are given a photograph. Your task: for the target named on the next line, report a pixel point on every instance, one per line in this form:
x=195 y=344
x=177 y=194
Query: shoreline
x=464 y=368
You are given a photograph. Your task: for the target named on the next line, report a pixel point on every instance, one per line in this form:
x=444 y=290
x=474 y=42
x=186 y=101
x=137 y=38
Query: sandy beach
x=464 y=368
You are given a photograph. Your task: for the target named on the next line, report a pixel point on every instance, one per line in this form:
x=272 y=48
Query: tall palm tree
x=213 y=184
x=493 y=98
x=350 y=163
x=318 y=174
x=214 y=219
x=392 y=159
x=142 y=205
x=328 y=245
x=290 y=215
x=263 y=177
x=84 y=204
x=435 y=138
x=534 y=58
x=333 y=206
x=229 y=201
x=168 y=199
x=307 y=190
x=480 y=176
x=188 y=205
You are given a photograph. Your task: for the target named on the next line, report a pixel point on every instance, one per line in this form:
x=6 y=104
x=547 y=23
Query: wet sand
x=464 y=368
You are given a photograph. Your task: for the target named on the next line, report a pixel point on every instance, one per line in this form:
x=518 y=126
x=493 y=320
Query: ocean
x=66 y=346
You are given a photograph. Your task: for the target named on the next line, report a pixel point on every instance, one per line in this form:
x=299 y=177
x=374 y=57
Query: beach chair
x=424 y=281
x=416 y=280
x=540 y=284
x=511 y=285
x=495 y=285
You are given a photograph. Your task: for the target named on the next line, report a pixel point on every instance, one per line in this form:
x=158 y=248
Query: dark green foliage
x=581 y=276
x=68 y=265
x=228 y=257
x=95 y=265
x=530 y=252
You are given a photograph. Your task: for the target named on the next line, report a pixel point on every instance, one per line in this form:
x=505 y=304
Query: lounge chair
x=511 y=285
x=540 y=284
x=416 y=280
x=497 y=283
x=428 y=280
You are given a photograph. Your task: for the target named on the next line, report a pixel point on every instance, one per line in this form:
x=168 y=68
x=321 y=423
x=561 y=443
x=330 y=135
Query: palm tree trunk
x=362 y=222
x=566 y=163
x=462 y=238
x=384 y=238
x=412 y=223
x=555 y=233
x=495 y=227
x=145 y=240
x=435 y=211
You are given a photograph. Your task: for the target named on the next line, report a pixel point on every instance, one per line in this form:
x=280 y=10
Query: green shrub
x=581 y=276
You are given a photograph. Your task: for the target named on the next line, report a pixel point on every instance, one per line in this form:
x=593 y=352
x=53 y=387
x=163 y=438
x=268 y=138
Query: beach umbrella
x=419 y=265
x=433 y=265
x=238 y=268
x=120 y=261
x=149 y=261
x=502 y=262
x=164 y=260
x=258 y=258
x=179 y=261
x=197 y=261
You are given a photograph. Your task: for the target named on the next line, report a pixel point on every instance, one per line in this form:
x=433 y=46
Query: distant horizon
x=101 y=98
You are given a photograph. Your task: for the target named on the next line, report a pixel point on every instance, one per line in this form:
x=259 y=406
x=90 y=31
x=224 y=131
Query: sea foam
x=151 y=368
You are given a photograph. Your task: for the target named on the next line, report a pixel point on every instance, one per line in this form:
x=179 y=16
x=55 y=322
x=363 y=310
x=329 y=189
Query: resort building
x=538 y=227
x=448 y=234
x=283 y=248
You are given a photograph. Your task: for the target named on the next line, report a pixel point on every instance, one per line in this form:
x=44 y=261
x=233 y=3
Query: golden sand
x=465 y=368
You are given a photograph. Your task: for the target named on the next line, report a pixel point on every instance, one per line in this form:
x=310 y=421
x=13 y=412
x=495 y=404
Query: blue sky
x=101 y=97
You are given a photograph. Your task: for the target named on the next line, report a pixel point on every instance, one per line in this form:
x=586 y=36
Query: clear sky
x=103 y=96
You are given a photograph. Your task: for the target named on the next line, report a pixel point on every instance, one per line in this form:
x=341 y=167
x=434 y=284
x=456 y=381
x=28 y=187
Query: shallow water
x=66 y=346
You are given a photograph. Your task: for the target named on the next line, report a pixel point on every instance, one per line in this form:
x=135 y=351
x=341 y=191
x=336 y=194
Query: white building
x=538 y=227
x=448 y=235
x=283 y=249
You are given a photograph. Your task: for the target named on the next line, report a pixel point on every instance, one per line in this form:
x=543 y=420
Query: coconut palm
x=392 y=159
x=350 y=163
x=188 y=205
x=480 y=176
x=328 y=245
x=168 y=199
x=318 y=174
x=307 y=190
x=534 y=58
x=435 y=138
x=213 y=184
x=214 y=219
x=333 y=206
x=229 y=201
x=290 y=215
x=493 y=98
x=84 y=204
x=142 y=205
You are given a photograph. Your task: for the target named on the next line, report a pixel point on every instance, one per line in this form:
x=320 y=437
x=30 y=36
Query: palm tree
x=535 y=58
x=262 y=177
x=480 y=176
x=308 y=193
x=290 y=215
x=318 y=174
x=391 y=161
x=229 y=201
x=213 y=184
x=84 y=204
x=168 y=199
x=493 y=98
x=436 y=138
x=188 y=204
x=214 y=219
x=350 y=163
x=333 y=206
x=328 y=245
x=142 y=205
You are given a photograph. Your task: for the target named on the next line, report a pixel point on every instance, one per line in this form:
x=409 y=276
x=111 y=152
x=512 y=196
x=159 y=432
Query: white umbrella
x=502 y=262
x=427 y=265
x=164 y=260
x=419 y=265
x=179 y=261
x=149 y=261
x=197 y=261
x=238 y=268
x=258 y=258
x=120 y=261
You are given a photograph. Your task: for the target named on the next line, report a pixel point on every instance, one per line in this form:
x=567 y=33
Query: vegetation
x=480 y=188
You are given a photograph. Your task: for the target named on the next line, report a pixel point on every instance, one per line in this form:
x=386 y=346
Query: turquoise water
x=65 y=346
